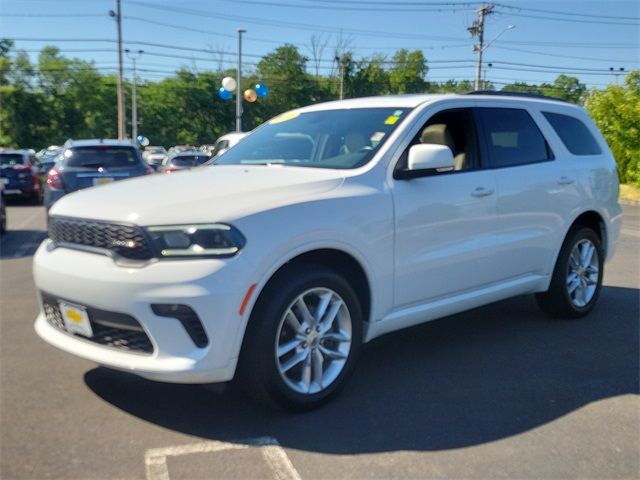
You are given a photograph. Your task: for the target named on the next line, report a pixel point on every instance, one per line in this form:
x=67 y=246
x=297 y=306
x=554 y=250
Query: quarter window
x=574 y=134
x=512 y=137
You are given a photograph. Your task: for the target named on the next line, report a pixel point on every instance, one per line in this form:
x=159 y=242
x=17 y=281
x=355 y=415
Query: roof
x=389 y=101
x=15 y=151
x=191 y=153
x=412 y=101
x=97 y=141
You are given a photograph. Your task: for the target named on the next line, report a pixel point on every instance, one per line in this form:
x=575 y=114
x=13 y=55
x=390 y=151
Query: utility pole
x=341 y=66
x=134 y=99
x=117 y=15
x=238 y=80
x=477 y=30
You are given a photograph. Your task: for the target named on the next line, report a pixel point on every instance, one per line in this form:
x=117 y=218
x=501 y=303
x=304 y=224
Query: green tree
x=616 y=112
x=408 y=71
x=565 y=87
x=370 y=77
x=285 y=72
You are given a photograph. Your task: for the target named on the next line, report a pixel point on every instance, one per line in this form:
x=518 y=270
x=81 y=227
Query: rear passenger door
x=536 y=190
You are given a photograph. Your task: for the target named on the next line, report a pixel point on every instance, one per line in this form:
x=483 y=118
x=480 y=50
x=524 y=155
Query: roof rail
x=503 y=93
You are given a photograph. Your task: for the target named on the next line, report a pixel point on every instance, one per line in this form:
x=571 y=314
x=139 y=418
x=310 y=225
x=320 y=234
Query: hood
x=221 y=193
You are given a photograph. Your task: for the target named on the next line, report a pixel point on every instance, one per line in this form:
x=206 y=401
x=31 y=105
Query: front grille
x=110 y=329
x=127 y=241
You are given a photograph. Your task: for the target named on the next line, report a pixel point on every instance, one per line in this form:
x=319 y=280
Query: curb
x=633 y=203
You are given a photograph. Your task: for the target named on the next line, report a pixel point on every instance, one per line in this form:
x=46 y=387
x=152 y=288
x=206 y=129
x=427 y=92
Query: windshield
x=103 y=156
x=9 y=159
x=189 y=160
x=345 y=138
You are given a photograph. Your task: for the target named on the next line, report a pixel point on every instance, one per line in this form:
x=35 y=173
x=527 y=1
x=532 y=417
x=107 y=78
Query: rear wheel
x=303 y=338
x=577 y=276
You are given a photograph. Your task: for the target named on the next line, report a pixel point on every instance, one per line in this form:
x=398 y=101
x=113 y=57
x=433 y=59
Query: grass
x=630 y=192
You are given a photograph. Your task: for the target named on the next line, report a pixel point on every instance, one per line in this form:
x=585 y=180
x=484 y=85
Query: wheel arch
x=595 y=221
x=337 y=259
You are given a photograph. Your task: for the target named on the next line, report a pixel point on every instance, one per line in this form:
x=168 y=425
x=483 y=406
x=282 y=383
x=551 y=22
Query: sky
x=580 y=38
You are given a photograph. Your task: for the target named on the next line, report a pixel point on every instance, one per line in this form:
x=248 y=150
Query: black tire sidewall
x=562 y=269
x=264 y=323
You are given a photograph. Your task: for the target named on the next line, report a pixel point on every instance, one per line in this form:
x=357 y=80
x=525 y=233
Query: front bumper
x=214 y=289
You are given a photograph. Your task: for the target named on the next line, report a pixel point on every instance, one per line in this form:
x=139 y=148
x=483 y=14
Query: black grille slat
x=127 y=241
x=131 y=337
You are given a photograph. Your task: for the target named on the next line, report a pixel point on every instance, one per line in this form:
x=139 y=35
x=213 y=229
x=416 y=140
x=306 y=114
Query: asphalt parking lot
x=496 y=392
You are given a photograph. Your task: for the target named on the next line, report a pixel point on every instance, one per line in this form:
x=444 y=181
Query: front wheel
x=577 y=276
x=303 y=338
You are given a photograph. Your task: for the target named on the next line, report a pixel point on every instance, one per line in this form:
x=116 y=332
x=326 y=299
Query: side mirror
x=426 y=159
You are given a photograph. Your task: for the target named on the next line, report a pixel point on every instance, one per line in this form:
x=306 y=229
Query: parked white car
x=325 y=228
x=225 y=142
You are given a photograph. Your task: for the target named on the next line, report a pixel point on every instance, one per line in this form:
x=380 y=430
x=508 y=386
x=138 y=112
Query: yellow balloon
x=250 y=95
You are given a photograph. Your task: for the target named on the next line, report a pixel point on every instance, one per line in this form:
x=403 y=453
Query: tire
x=577 y=276
x=285 y=360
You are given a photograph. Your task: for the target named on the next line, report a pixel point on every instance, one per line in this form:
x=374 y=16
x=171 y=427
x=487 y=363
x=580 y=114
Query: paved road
x=496 y=392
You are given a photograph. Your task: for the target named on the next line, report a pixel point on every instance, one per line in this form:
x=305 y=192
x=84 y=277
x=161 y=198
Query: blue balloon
x=261 y=89
x=224 y=94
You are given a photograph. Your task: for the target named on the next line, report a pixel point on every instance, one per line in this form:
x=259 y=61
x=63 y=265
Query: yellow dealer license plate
x=76 y=319
x=102 y=180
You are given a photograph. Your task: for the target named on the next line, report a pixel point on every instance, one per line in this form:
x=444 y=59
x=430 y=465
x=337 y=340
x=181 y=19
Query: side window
x=454 y=128
x=512 y=137
x=574 y=134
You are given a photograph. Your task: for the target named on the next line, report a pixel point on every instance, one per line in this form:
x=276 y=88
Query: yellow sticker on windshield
x=391 y=120
x=285 y=117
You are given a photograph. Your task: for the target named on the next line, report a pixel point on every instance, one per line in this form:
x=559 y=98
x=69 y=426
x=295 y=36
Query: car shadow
x=471 y=378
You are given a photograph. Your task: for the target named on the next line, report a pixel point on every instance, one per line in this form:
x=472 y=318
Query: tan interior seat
x=439 y=134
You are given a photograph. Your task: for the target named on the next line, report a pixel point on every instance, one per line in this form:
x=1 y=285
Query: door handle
x=482 y=192
x=565 y=181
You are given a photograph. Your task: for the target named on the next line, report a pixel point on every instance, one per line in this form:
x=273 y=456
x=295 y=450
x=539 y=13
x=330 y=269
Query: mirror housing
x=427 y=159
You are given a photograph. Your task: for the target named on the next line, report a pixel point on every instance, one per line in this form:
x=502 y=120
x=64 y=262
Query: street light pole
x=117 y=15
x=134 y=98
x=238 y=80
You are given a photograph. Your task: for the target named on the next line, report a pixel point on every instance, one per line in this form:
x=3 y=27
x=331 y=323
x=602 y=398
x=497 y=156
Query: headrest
x=437 y=134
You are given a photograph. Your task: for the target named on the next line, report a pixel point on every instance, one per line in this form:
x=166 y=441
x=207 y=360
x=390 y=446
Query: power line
x=52 y=15
x=556 y=12
x=292 y=25
x=572 y=20
x=367 y=6
x=547 y=54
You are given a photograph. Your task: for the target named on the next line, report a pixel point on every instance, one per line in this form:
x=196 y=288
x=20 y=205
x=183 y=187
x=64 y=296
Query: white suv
x=327 y=227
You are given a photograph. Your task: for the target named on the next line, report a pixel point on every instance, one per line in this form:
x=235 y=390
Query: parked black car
x=184 y=161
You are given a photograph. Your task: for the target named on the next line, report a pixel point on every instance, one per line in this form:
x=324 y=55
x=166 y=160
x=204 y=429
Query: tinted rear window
x=574 y=134
x=8 y=159
x=189 y=160
x=513 y=137
x=106 y=157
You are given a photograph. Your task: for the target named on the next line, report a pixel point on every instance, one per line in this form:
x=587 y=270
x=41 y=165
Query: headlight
x=202 y=240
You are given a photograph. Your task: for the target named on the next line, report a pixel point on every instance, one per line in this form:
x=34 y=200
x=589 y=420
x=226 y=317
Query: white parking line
x=155 y=459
